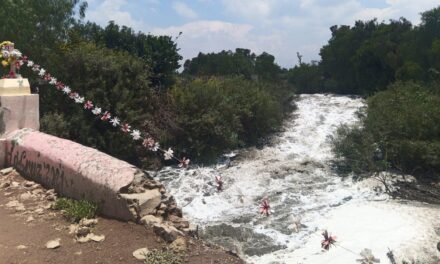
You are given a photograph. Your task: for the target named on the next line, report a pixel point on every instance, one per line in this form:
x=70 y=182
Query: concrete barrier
x=73 y=170
x=17 y=112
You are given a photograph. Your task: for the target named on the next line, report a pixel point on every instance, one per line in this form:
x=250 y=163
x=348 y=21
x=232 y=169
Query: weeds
x=76 y=210
x=162 y=257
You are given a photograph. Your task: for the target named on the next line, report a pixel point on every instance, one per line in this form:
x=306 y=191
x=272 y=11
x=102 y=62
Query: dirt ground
x=27 y=222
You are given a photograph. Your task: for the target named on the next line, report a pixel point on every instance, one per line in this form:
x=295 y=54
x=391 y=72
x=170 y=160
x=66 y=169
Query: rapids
x=306 y=196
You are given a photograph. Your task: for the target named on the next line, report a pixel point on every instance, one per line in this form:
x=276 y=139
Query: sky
x=279 y=27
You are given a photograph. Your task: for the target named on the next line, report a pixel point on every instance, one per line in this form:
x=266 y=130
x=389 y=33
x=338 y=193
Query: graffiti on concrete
x=32 y=165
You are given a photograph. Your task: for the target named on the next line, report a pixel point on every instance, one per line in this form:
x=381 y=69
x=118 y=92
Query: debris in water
x=368 y=257
x=184 y=162
x=265 y=207
x=219 y=181
x=328 y=240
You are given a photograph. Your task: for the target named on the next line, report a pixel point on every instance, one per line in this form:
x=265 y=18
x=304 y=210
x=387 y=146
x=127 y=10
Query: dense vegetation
x=368 y=56
x=400 y=130
x=135 y=76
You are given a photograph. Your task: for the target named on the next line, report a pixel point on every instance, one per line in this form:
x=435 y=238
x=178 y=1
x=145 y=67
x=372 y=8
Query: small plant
x=162 y=257
x=76 y=210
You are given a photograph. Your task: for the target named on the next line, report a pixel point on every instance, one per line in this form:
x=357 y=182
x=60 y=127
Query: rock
x=438 y=246
x=160 y=212
x=52 y=244
x=88 y=222
x=150 y=220
x=5 y=185
x=83 y=239
x=28 y=184
x=25 y=196
x=147 y=201
x=13 y=203
x=73 y=228
x=90 y=237
x=179 y=245
x=16 y=205
x=21 y=247
x=6 y=171
x=178 y=221
x=82 y=231
x=97 y=238
x=37 y=191
x=141 y=253
x=15 y=184
x=192 y=230
x=39 y=211
x=168 y=233
x=30 y=219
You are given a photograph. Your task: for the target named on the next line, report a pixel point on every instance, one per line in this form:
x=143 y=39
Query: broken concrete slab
x=72 y=169
x=148 y=200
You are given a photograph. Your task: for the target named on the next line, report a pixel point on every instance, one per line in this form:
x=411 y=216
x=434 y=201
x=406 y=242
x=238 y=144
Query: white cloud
x=184 y=10
x=208 y=36
x=280 y=27
x=250 y=8
x=111 y=10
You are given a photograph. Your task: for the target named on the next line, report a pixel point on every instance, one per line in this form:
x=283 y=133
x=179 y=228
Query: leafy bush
x=113 y=80
x=220 y=114
x=401 y=130
x=76 y=210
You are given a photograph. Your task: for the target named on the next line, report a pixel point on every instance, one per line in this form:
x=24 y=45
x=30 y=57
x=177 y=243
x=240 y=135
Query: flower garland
x=16 y=60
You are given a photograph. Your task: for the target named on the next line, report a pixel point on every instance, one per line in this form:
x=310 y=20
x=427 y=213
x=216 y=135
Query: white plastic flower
x=20 y=62
x=155 y=147
x=30 y=63
x=53 y=81
x=168 y=154
x=66 y=89
x=16 y=53
x=96 y=111
x=79 y=100
x=115 y=121
x=5 y=54
x=42 y=72
x=136 y=134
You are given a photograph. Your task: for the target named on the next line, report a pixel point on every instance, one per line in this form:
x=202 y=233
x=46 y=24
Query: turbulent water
x=293 y=172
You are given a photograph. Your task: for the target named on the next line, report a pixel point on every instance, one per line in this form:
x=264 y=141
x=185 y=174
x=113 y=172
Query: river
x=306 y=196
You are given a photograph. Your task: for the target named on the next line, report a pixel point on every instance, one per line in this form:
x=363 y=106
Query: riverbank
x=27 y=223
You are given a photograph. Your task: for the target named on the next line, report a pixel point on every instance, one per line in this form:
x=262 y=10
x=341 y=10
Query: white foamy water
x=304 y=193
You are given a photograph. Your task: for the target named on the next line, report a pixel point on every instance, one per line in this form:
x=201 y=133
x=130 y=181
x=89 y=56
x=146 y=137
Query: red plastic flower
x=47 y=77
x=106 y=116
x=88 y=105
x=219 y=182
x=73 y=95
x=125 y=128
x=265 y=207
x=11 y=75
x=328 y=240
x=183 y=163
x=59 y=85
x=18 y=64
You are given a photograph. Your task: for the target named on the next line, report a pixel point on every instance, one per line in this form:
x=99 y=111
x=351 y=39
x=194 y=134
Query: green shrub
x=401 y=130
x=76 y=210
x=220 y=114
